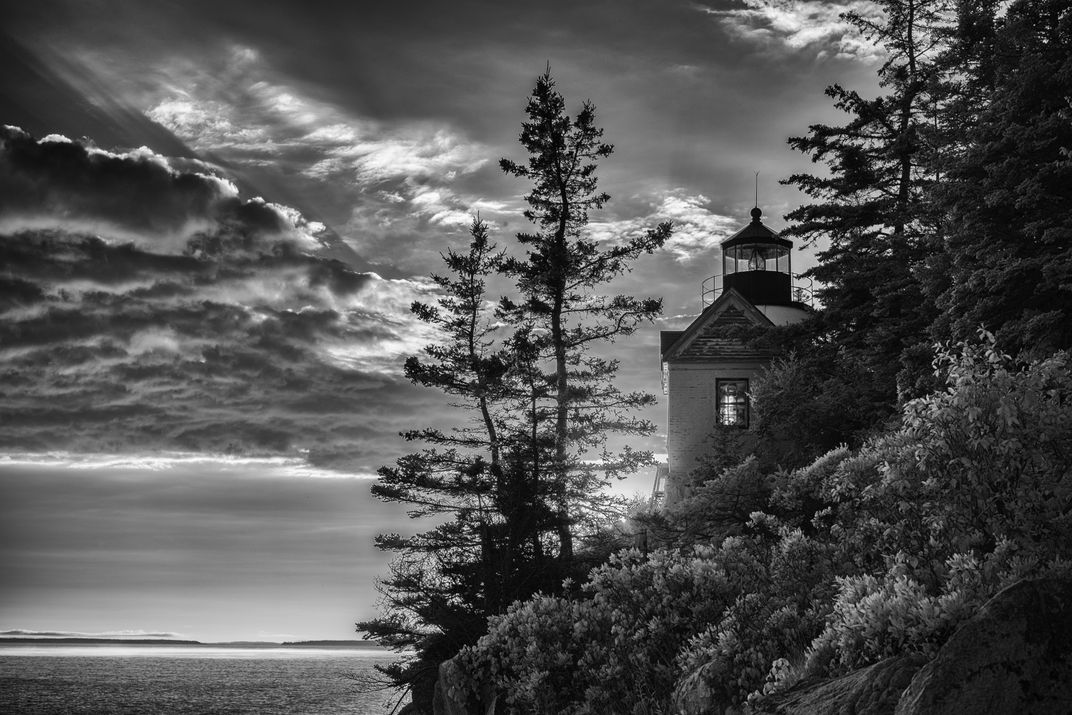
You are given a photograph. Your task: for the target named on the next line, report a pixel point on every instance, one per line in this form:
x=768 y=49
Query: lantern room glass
x=755 y=257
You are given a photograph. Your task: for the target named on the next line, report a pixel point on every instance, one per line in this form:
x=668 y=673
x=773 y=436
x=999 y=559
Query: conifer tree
x=445 y=582
x=513 y=482
x=1007 y=198
x=872 y=205
x=558 y=307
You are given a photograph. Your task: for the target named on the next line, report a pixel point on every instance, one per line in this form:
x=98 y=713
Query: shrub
x=994 y=451
x=894 y=614
x=986 y=459
x=539 y=652
x=620 y=642
x=721 y=504
x=775 y=618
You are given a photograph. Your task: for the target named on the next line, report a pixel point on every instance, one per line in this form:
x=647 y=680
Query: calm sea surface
x=52 y=680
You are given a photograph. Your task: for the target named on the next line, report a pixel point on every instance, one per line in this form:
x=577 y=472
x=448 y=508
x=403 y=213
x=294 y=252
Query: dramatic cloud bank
x=146 y=308
x=56 y=183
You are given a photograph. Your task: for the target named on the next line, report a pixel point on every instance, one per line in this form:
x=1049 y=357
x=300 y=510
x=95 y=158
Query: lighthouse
x=708 y=367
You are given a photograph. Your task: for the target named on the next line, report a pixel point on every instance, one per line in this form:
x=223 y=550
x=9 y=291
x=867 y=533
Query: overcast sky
x=213 y=219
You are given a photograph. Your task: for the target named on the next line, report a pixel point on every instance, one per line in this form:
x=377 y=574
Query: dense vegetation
x=916 y=433
x=862 y=554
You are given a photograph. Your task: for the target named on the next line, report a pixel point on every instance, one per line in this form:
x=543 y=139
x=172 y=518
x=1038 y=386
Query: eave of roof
x=756 y=233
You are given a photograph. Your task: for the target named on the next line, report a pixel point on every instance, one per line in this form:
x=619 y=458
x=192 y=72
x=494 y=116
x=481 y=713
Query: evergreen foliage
x=514 y=483
x=562 y=316
x=1007 y=195
x=872 y=208
x=447 y=581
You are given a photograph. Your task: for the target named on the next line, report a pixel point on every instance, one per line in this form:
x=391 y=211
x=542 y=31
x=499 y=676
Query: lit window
x=732 y=402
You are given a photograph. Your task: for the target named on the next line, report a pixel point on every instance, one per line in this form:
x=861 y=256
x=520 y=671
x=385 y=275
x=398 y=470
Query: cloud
x=175 y=462
x=388 y=174
x=369 y=153
x=55 y=183
x=697 y=230
x=143 y=307
x=814 y=26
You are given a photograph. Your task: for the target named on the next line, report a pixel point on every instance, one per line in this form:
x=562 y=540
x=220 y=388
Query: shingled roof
x=706 y=339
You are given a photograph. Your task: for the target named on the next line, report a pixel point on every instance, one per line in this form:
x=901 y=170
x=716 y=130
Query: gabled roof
x=702 y=340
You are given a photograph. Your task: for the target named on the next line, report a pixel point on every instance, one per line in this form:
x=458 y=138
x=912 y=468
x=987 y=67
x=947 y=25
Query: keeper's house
x=706 y=369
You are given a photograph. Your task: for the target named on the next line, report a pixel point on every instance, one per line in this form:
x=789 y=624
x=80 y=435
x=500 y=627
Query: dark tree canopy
x=871 y=205
x=447 y=581
x=1007 y=260
x=945 y=207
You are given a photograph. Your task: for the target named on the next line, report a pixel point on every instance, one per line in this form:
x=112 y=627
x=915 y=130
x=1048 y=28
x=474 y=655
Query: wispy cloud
x=397 y=176
x=814 y=26
x=697 y=230
x=164 y=461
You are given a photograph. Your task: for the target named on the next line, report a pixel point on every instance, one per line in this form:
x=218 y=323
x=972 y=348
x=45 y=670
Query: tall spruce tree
x=485 y=552
x=513 y=482
x=871 y=206
x=1007 y=194
x=559 y=310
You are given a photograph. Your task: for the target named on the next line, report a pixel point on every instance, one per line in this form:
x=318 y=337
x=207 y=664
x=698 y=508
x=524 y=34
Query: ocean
x=60 y=680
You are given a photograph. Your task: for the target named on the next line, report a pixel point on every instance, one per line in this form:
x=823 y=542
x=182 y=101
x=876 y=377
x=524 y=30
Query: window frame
x=740 y=405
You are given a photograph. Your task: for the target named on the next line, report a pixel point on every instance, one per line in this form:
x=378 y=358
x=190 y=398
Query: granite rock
x=874 y=690
x=1014 y=656
x=453 y=692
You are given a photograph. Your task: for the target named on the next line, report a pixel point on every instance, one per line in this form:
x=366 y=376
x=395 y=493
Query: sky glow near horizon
x=214 y=217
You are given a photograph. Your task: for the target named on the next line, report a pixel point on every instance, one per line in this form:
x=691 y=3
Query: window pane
x=732 y=399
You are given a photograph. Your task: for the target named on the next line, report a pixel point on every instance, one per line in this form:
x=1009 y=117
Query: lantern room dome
x=756 y=232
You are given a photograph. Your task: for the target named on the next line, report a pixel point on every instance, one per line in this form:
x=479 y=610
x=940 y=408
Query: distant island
x=369 y=644
x=96 y=641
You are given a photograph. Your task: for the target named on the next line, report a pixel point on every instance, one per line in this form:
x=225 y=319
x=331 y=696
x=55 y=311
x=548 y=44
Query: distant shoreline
x=354 y=644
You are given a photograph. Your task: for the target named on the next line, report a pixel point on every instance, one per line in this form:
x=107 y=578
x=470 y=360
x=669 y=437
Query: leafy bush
x=721 y=503
x=808 y=404
x=619 y=642
x=993 y=457
x=798 y=496
x=774 y=619
x=894 y=614
x=539 y=651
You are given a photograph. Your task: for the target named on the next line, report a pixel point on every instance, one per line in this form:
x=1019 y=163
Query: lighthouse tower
x=707 y=368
